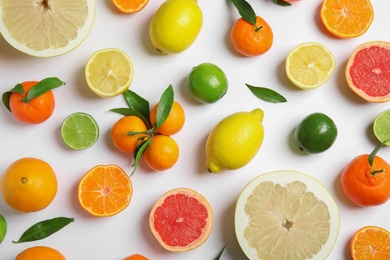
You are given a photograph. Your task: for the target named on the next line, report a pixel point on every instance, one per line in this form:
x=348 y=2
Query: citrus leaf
x=44 y=229
x=245 y=10
x=126 y=111
x=138 y=103
x=42 y=87
x=281 y=3
x=164 y=106
x=138 y=153
x=267 y=94
x=7 y=95
x=220 y=253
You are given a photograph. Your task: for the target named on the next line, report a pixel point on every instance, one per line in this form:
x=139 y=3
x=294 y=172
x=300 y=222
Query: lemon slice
x=109 y=72
x=46 y=28
x=309 y=65
x=286 y=215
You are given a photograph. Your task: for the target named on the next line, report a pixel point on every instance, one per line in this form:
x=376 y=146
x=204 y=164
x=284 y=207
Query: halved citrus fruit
x=105 y=190
x=309 y=65
x=286 y=215
x=368 y=71
x=347 y=18
x=46 y=28
x=381 y=127
x=370 y=242
x=181 y=220
x=129 y=7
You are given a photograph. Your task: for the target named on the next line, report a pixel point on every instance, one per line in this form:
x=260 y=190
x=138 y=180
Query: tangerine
x=251 y=40
x=136 y=257
x=370 y=242
x=129 y=7
x=127 y=133
x=174 y=122
x=162 y=153
x=40 y=252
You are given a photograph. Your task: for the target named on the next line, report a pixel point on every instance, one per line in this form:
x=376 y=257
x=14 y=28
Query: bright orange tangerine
x=125 y=133
x=162 y=153
x=174 y=122
x=40 y=252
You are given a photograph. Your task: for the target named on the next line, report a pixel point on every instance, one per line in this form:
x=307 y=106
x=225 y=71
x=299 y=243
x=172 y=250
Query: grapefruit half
x=368 y=71
x=181 y=220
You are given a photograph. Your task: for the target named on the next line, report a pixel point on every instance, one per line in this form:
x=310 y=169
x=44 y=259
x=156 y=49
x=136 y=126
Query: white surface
x=128 y=233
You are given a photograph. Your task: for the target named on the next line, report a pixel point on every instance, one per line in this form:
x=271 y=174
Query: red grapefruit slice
x=181 y=220
x=368 y=71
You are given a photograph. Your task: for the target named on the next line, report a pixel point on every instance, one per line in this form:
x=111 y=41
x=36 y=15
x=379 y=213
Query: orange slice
x=130 y=6
x=371 y=242
x=105 y=190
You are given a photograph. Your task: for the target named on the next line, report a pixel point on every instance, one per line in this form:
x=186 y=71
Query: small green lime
x=315 y=133
x=79 y=131
x=381 y=127
x=3 y=228
x=207 y=83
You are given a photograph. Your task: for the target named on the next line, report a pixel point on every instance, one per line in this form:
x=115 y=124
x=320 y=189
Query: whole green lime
x=3 y=228
x=207 y=83
x=315 y=133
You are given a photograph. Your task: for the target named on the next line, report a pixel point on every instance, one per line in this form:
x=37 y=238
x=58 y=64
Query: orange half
x=130 y=6
x=371 y=243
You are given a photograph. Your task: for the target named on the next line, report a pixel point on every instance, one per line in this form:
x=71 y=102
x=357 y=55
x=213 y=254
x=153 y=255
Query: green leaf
x=138 y=153
x=220 y=253
x=164 y=106
x=137 y=103
x=126 y=111
x=281 y=3
x=42 y=87
x=7 y=95
x=44 y=229
x=267 y=94
x=245 y=10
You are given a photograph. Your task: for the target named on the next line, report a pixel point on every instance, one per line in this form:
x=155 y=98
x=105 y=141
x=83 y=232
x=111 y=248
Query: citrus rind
x=381 y=127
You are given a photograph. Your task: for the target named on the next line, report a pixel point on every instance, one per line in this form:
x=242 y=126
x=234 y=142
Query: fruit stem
x=150 y=132
x=258 y=28
x=376 y=171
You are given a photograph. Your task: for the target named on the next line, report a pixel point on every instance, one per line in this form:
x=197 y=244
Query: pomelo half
x=46 y=28
x=286 y=215
x=181 y=220
x=368 y=71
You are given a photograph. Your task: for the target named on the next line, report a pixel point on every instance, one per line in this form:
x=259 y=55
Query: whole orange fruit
x=40 y=252
x=162 y=153
x=127 y=133
x=366 y=185
x=251 y=40
x=136 y=257
x=36 y=110
x=174 y=122
x=29 y=184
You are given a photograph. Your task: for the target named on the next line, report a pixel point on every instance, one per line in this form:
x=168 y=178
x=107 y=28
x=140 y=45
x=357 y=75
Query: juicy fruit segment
x=3 y=228
x=175 y=25
x=181 y=220
x=79 y=131
x=234 y=141
x=207 y=83
x=286 y=215
x=46 y=28
x=105 y=190
x=367 y=71
x=109 y=72
x=370 y=242
x=40 y=252
x=347 y=18
x=130 y=7
x=309 y=65
x=381 y=127
x=316 y=133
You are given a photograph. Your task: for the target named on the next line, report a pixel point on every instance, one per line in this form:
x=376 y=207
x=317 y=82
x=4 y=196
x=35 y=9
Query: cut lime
x=79 y=131
x=381 y=127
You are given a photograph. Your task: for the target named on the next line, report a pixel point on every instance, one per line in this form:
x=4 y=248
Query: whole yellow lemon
x=235 y=141
x=175 y=25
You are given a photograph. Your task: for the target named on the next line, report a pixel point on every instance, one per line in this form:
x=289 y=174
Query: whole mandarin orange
x=174 y=122
x=128 y=132
x=162 y=153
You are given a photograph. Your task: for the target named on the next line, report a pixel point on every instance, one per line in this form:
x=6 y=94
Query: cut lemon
x=109 y=72
x=309 y=65
x=79 y=131
x=46 y=28
x=286 y=215
x=381 y=127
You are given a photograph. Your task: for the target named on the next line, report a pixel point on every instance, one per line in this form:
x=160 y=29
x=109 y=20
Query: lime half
x=79 y=131
x=381 y=127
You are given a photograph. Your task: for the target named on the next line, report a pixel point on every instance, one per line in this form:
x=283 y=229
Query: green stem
x=374 y=172
x=258 y=28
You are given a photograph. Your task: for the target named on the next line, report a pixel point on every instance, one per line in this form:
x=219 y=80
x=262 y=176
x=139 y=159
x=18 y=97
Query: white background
x=128 y=232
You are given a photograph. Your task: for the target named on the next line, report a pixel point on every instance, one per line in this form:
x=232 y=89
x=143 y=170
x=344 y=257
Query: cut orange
x=347 y=18
x=371 y=243
x=130 y=6
x=105 y=190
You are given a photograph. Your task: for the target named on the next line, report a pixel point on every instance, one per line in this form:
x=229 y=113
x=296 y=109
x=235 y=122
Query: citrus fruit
x=109 y=72
x=29 y=184
x=381 y=127
x=181 y=220
x=40 y=252
x=3 y=228
x=347 y=18
x=316 y=133
x=235 y=141
x=309 y=65
x=127 y=133
x=46 y=28
x=175 y=25
x=286 y=215
x=370 y=242
x=173 y=123
x=129 y=7
x=365 y=184
x=251 y=40
x=207 y=83
x=105 y=190
x=367 y=71
x=79 y=131
x=162 y=153
x=136 y=257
